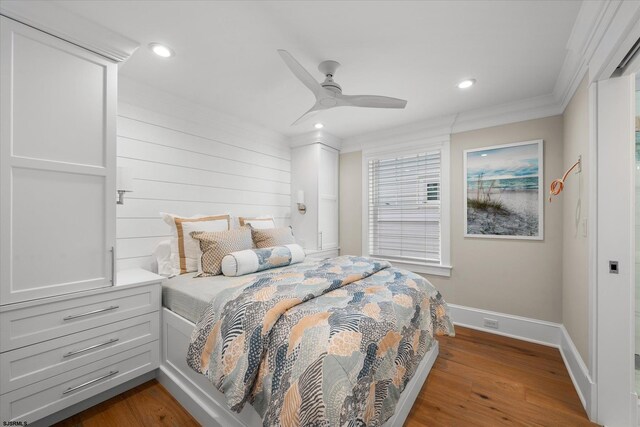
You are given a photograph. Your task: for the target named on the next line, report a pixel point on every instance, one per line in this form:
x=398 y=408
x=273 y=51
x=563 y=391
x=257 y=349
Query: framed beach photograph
x=503 y=191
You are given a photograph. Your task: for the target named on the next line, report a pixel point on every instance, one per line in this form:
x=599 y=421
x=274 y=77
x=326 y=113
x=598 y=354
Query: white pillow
x=162 y=255
x=185 y=251
x=258 y=223
x=253 y=260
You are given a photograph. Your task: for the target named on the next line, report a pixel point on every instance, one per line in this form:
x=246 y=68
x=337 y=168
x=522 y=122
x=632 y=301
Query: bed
x=190 y=316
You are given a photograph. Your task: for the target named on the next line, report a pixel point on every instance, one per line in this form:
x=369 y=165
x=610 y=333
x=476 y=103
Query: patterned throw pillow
x=215 y=245
x=266 y=238
x=254 y=260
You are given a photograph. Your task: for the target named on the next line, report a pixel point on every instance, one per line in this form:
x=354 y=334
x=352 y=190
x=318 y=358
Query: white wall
x=188 y=160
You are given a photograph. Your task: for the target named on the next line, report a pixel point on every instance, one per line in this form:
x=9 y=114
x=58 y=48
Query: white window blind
x=404 y=207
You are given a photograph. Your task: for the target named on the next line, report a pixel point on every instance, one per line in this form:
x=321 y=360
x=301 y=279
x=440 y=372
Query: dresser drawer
x=35 y=323
x=46 y=397
x=37 y=362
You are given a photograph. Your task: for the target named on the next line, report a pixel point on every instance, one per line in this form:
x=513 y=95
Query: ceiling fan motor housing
x=328 y=68
x=328 y=83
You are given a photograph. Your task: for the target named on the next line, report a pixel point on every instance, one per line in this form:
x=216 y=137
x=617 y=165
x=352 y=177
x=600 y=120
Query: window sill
x=424 y=268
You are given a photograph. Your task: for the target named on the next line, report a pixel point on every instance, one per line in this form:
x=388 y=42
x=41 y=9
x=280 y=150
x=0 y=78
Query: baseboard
x=522 y=328
x=536 y=331
x=577 y=369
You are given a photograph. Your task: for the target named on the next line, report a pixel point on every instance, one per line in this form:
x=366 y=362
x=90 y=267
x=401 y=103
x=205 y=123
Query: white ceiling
x=226 y=54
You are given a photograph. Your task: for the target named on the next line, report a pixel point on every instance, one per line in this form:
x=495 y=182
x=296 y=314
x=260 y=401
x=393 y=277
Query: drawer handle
x=104 y=377
x=113 y=266
x=73 y=353
x=101 y=310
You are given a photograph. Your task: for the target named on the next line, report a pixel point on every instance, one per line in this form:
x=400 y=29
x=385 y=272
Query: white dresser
x=69 y=328
x=61 y=350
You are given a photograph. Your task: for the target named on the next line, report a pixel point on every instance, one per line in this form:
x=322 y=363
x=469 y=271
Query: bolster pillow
x=253 y=260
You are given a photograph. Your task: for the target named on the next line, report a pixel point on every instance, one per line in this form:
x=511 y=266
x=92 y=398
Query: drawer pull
x=113 y=266
x=75 y=316
x=73 y=353
x=88 y=383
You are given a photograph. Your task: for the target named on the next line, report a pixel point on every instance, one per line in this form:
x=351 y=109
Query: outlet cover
x=490 y=323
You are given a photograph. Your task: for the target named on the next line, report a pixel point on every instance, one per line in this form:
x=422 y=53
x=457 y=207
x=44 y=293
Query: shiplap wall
x=191 y=161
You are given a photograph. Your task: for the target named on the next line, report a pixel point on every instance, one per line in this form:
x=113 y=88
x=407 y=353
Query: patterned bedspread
x=319 y=344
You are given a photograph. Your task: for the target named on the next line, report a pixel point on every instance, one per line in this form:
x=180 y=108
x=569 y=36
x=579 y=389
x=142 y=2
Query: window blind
x=404 y=207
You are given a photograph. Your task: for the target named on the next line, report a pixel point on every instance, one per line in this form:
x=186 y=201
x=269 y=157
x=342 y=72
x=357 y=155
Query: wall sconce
x=302 y=208
x=124 y=183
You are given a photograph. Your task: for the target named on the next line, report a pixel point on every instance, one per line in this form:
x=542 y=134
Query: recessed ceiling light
x=483 y=155
x=318 y=126
x=161 y=50
x=466 y=84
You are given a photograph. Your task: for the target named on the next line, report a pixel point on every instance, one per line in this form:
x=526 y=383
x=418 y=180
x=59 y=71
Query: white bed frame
x=207 y=405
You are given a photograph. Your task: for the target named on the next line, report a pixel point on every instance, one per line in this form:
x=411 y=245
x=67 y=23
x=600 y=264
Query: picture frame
x=504 y=191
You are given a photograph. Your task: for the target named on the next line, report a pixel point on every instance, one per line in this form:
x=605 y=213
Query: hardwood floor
x=479 y=379
x=483 y=379
x=149 y=404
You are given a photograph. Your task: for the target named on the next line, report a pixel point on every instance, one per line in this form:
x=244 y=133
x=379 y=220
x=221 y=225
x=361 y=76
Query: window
x=405 y=208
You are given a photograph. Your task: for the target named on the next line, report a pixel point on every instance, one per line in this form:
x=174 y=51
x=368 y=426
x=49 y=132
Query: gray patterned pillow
x=266 y=238
x=216 y=244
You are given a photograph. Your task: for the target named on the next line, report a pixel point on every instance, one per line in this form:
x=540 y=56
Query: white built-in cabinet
x=57 y=165
x=315 y=170
x=68 y=330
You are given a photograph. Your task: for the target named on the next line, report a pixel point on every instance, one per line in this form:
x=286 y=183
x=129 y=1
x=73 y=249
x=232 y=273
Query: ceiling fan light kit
x=329 y=93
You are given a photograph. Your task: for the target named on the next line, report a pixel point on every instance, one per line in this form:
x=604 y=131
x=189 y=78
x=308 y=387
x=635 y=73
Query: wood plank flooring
x=149 y=404
x=482 y=379
x=479 y=379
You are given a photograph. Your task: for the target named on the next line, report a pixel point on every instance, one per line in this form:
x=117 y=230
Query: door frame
x=621 y=22
x=616 y=402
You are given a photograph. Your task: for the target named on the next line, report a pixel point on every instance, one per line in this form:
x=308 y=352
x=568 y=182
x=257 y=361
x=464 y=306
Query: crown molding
x=318 y=136
x=586 y=32
x=512 y=112
x=621 y=30
x=422 y=130
x=62 y=23
x=603 y=33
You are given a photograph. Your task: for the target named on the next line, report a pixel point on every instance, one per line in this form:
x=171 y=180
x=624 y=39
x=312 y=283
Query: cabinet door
x=57 y=165
x=328 y=199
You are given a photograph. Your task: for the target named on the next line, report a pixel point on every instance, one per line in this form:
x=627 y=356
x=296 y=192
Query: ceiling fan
x=329 y=93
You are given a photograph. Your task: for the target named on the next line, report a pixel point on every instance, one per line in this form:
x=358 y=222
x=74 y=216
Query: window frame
x=442 y=143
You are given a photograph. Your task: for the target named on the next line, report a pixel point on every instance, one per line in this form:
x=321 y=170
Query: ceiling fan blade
x=310 y=113
x=300 y=72
x=370 y=101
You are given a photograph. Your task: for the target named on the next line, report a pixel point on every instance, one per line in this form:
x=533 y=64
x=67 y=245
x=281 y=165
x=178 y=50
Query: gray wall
x=351 y=203
x=575 y=291
x=518 y=277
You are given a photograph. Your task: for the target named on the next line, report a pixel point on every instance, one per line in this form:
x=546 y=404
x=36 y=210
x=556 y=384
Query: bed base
x=207 y=405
